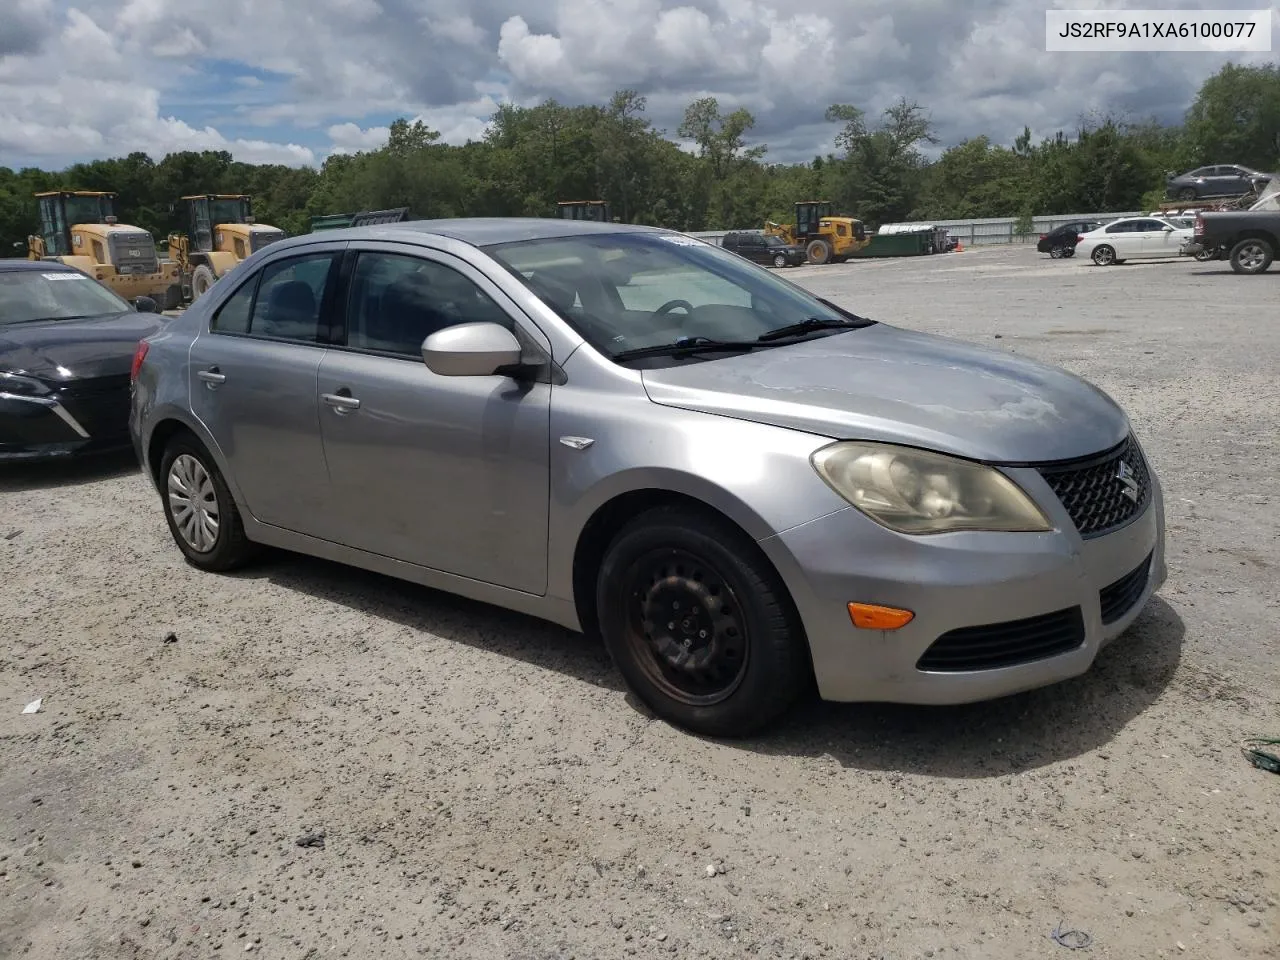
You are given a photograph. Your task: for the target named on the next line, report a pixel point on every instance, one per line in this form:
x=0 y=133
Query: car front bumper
x=1191 y=248
x=51 y=426
x=965 y=580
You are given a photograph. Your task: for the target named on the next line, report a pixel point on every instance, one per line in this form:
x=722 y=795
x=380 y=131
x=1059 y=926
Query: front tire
x=1057 y=251
x=699 y=624
x=779 y=261
x=1187 y=193
x=818 y=251
x=202 y=279
x=1251 y=255
x=1104 y=256
x=200 y=510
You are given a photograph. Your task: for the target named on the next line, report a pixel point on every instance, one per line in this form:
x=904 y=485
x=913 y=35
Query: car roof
x=12 y=264
x=477 y=231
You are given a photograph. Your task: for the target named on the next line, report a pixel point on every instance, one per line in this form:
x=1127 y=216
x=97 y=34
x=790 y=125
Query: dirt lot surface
x=486 y=789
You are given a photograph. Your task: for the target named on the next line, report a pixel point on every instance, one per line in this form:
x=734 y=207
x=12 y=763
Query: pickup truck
x=1249 y=238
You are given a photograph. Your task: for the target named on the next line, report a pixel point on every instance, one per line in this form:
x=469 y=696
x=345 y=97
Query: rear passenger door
x=253 y=385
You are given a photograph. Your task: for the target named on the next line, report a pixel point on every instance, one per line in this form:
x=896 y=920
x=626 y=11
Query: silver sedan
x=747 y=491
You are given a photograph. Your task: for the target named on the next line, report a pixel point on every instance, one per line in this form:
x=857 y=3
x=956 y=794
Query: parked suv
x=758 y=248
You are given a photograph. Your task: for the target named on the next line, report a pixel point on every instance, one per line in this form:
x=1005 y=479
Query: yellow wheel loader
x=597 y=210
x=221 y=232
x=79 y=228
x=826 y=238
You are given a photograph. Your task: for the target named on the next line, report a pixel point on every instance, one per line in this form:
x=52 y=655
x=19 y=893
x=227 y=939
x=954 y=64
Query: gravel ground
x=485 y=788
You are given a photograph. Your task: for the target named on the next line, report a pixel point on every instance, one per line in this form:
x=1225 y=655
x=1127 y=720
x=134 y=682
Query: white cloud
x=83 y=81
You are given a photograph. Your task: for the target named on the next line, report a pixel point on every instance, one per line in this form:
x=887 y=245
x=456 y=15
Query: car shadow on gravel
x=999 y=737
x=453 y=618
x=20 y=476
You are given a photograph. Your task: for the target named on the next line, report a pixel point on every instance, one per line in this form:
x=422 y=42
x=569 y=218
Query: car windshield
x=625 y=292
x=27 y=295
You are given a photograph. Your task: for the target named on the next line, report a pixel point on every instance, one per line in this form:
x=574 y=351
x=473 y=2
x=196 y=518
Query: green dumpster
x=913 y=244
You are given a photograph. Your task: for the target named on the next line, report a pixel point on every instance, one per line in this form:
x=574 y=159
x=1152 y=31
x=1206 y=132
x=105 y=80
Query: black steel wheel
x=699 y=623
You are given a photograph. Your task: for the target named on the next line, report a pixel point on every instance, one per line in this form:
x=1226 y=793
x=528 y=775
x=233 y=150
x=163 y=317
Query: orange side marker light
x=869 y=616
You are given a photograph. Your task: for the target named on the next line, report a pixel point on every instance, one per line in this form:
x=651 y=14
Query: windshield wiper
x=686 y=346
x=808 y=325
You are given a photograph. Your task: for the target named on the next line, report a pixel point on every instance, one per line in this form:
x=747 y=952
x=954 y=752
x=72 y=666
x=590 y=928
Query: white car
x=1133 y=238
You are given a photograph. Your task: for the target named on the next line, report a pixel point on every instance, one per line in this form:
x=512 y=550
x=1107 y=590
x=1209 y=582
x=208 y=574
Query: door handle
x=341 y=403
x=212 y=377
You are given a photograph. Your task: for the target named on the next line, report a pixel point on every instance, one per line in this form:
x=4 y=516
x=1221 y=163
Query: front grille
x=1118 y=598
x=101 y=406
x=996 y=645
x=1104 y=492
x=133 y=253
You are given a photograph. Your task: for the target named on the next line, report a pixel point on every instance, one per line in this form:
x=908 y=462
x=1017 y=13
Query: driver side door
x=450 y=473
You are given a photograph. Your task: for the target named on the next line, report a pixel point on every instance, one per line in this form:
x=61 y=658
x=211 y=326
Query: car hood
x=88 y=348
x=888 y=384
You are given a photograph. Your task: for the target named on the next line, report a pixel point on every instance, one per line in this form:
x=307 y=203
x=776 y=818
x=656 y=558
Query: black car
x=1061 y=241
x=1223 y=180
x=66 y=349
x=759 y=248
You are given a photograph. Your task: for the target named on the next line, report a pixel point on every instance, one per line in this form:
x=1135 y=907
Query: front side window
x=630 y=291
x=396 y=301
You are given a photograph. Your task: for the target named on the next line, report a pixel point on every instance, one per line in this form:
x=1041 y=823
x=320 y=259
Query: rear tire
x=1187 y=193
x=1104 y=255
x=1251 y=255
x=198 y=506
x=779 y=261
x=700 y=625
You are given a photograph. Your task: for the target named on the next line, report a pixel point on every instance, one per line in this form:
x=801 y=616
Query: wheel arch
x=609 y=517
x=171 y=425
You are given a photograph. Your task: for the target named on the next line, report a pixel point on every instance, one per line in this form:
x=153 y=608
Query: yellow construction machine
x=79 y=228
x=597 y=210
x=221 y=232
x=826 y=238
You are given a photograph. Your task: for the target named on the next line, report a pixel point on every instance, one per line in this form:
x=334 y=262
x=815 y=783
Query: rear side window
x=290 y=292
x=282 y=302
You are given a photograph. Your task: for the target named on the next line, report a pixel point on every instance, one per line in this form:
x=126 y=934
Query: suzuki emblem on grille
x=1126 y=479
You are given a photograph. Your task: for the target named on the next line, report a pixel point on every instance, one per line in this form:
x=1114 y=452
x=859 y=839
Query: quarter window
x=233 y=316
x=397 y=301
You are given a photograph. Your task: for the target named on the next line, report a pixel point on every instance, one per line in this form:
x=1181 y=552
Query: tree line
x=532 y=157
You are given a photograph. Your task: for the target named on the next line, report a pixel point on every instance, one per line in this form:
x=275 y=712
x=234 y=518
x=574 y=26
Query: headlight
x=24 y=386
x=914 y=491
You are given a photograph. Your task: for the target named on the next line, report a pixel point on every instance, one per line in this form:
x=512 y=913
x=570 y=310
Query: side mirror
x=19 y=245
x=471 y=350
x=1167 y=228
x=145 y=305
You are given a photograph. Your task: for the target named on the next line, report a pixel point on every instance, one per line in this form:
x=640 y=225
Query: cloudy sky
x=292 y=81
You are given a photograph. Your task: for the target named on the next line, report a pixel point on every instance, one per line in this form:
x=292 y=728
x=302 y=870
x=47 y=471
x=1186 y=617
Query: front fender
x=756 y=475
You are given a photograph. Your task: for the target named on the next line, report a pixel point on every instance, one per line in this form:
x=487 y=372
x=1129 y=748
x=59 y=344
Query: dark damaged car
x=66 y=347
